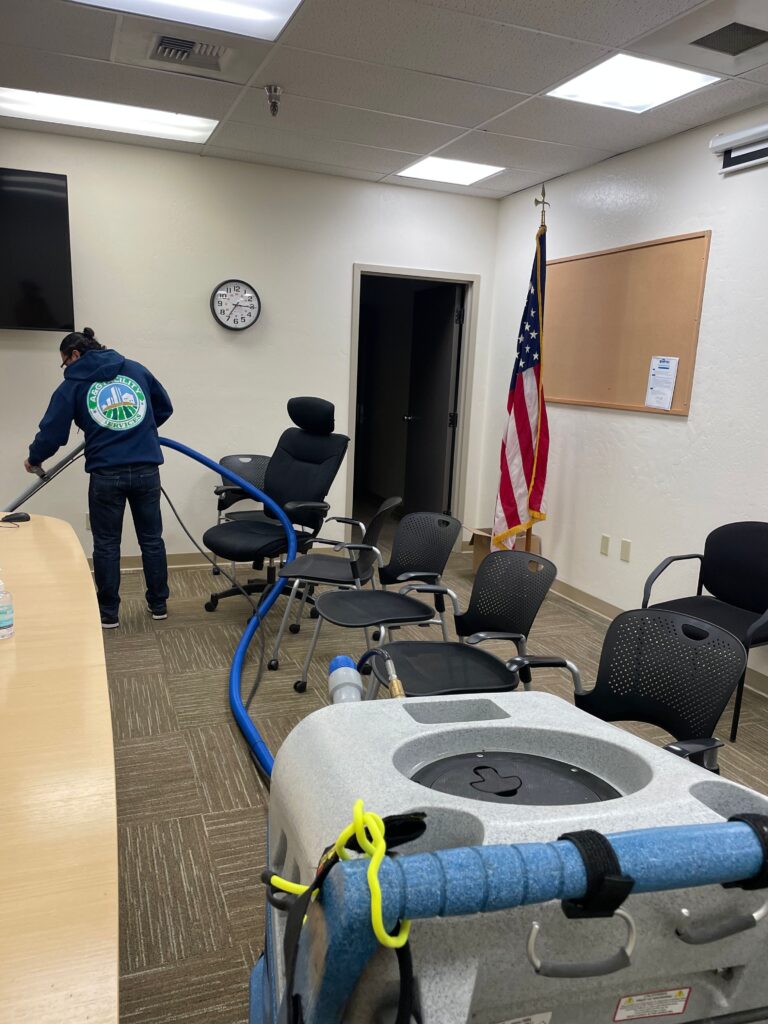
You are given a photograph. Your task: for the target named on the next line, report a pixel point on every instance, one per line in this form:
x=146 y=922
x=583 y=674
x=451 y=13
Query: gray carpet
x=192 y=809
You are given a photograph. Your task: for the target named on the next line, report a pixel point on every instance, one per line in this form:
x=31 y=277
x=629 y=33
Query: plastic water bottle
x=345 y=683
x=6 y=613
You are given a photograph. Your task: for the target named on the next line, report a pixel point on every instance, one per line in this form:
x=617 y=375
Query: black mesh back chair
x=509 y=589
x=422 y=545
x=251 y=468
x=297 y=477
x=672 y=670
x=317 y=569
x=734 y=569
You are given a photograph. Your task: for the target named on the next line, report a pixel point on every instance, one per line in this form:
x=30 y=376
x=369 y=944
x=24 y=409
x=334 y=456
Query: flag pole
x=542 y=202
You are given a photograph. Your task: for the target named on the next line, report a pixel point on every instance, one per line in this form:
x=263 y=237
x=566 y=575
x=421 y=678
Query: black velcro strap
x=759 y=825
x=607 y=888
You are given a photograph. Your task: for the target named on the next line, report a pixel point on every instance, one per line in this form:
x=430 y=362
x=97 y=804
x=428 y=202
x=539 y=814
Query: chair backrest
x=251 y=468
x=423 y=543
x=306 y=459
x=367 y=559
x=672 y=670
x=508 y=591
x=735 y=565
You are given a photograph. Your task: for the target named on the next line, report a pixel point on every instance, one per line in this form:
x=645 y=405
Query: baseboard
x=755 y=681
x=193 y=560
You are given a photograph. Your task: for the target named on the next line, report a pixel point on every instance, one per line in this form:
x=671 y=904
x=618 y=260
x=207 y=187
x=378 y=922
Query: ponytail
x=80 y=341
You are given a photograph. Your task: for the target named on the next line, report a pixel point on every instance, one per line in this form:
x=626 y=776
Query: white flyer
x=644 y=1005
x=661 y=382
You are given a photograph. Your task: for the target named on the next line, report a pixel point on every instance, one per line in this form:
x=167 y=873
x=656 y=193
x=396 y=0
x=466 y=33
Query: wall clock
x=235 y=305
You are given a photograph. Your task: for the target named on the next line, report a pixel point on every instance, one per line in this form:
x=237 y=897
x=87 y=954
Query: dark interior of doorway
x=409 y=353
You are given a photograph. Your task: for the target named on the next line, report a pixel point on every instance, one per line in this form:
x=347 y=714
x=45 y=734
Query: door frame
x=466 y=368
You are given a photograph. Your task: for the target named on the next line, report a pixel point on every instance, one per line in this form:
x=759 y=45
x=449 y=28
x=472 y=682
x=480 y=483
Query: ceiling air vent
x=189 y=53
x=733 y=39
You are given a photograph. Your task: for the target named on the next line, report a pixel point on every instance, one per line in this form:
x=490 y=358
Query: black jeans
x=107 y=493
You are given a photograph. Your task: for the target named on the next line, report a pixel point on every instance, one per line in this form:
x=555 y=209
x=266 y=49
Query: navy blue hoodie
x=118 y=405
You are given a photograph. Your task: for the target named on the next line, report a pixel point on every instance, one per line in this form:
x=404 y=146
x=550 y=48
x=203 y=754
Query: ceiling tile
x=598 y=21
x=374 y=87
x=441 y=186
x=714 y=101
x=758 y=75
x=554 y=120
x=115 y=83
x=399 y=33
x=521 y=154
x=297 y=146
x=239 y=155
x=99 y=135
x=347 y=124
x=57 y=27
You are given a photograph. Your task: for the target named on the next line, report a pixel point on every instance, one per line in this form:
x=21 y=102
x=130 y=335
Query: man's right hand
x=37 y=470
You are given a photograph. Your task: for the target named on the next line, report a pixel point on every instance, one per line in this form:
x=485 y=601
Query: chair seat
x=736 y=620
x=319 y=568
x=361 y=608
x=428 y=669
x=246 y=541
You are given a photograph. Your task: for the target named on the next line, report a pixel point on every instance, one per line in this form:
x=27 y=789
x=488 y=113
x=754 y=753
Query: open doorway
x=407 y=398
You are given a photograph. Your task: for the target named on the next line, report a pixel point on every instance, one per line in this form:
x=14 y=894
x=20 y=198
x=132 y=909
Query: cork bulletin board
x=608 y=313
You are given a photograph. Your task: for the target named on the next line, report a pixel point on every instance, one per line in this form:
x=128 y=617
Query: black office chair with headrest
x=297 y=477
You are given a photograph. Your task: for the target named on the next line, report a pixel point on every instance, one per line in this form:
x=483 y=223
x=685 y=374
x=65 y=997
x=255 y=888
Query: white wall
x=662 y=482
x=153 y=232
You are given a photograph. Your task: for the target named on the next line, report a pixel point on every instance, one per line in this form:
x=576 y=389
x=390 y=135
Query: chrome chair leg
x=274 y=662
x=301 y=684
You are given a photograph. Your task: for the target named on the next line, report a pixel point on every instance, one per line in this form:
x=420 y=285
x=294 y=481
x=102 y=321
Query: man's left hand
x=29 y=467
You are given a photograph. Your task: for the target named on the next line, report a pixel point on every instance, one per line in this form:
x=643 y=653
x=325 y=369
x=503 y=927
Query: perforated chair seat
x=244 y=541
x=727 y=616
x=319 y=568
x=429 y=669
x=353 y=609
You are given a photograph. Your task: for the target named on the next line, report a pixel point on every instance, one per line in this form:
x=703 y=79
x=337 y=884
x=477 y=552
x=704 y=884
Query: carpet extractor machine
x=506 y=860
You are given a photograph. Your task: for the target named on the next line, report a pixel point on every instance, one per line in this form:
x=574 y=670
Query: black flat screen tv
x=35 y=260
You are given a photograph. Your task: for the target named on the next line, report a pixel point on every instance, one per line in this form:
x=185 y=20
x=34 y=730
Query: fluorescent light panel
x=456 y=172
x=114 y=117
x=261 y=19
x=632 y=83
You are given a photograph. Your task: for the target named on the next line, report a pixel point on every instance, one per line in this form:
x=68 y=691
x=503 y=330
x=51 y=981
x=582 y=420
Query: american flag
x=525 y=447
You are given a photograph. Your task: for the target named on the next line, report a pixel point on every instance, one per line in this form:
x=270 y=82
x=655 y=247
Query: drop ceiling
x=371 y=86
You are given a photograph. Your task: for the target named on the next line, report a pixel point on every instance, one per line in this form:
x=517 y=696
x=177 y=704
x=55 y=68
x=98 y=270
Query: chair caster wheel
x=366 y=669
x=215 y=571
x=376 y=636
x=273 y=664
x=211 y=606
x=300 y=685
x=314 y=614
x=294 y=627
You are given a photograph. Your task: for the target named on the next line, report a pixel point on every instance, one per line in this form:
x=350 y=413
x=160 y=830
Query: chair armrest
x=425 y=588
x=659 y=570
x=228 y=489
x=479 y=638
x=405 y=577
x=544 y=661
x=301 y=506
x=755 y=628
x=347 y=522
x=701 y=752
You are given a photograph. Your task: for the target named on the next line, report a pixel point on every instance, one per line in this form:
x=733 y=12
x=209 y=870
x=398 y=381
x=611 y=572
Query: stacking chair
x=317 y=569
x=422 y=545
x=297 y=477
x=509 y=589
x=734 y=569
x=662 y=667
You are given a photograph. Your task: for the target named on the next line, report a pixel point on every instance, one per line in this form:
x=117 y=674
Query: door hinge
x=453 y=419
x=459 y=318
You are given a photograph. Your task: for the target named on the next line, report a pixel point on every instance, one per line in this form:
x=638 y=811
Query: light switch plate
x=605 y=543
x=626 y=549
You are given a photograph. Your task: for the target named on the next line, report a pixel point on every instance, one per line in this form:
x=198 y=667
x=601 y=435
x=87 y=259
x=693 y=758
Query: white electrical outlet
x=605 y=543
x=626 y=549
x=88 y=522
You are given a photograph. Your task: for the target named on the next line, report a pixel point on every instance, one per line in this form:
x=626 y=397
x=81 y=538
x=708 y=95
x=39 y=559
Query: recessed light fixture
x=456 y=172
x=632 y=83
x=114 y=117
x=262 y=19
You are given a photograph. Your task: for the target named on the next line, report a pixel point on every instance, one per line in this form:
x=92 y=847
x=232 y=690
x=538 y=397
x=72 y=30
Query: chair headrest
x=314 y=415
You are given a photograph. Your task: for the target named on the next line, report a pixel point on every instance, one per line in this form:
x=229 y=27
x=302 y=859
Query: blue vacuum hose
x=252 y=735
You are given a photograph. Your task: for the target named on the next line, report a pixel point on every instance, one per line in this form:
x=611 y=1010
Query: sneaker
x=109 y=621
x=160 y=612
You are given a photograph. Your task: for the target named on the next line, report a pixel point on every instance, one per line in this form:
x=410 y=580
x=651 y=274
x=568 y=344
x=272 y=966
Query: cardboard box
x=481 y=545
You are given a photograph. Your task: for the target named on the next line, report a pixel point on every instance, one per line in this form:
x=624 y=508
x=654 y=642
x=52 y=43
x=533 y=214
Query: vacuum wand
x=45 y=478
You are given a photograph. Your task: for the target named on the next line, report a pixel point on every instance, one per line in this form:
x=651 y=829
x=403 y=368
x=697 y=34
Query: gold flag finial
x=543 y=204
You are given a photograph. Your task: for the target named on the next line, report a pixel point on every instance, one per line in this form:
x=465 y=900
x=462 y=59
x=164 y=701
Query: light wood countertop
x=58 y=830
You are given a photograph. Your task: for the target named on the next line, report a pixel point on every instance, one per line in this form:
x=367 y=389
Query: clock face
x=235 y=305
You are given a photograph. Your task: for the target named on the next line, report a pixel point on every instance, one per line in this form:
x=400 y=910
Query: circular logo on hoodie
x=117 y=404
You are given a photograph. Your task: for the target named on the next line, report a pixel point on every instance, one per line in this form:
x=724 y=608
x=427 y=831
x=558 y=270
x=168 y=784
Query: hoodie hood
x=98 y=364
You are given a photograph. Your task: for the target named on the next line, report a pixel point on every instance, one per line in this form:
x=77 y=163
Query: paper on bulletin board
x=661 y=382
